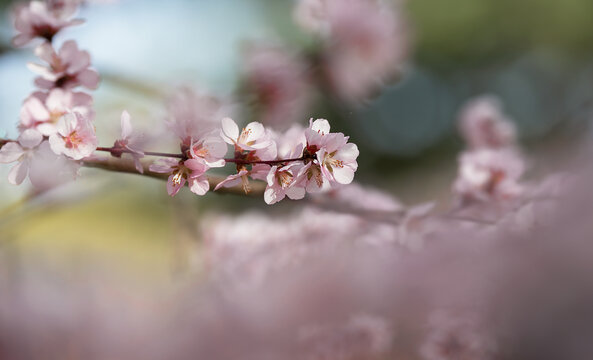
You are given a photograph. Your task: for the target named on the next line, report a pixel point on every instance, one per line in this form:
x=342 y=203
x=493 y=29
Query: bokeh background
x=536 y=55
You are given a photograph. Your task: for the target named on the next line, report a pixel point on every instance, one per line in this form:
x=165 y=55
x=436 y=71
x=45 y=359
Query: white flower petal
x=230 y=130
x=343 y=175
x=321 y=126
x=126 y=125
x=199 y=186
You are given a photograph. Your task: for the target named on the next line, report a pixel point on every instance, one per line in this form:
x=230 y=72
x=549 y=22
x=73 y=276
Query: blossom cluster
x=57 y=119
x=300 y=160
x=356 y=274
x=492 y=166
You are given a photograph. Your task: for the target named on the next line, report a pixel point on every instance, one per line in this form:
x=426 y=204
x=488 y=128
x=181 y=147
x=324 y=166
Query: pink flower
x=281 y=179
x=66 y=69
x=128 y=142
x=278 y=79
x=484 y=125
x=75 y=137
x=21 y=151
x=253 y=137
x=365 y=42
x=280 y=183
x=488 y=174
x=254 y=143
x=331 y=158
x=210 y=149
x=191 y=171
x=42 y=111
x=41 y=20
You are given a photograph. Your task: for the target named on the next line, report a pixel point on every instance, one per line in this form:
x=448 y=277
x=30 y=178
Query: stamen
x=177 y=178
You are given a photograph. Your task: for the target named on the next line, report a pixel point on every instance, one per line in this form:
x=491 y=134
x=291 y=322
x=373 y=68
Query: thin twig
x=182 y=156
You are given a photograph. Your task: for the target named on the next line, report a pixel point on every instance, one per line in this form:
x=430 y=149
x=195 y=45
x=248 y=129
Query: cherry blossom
x=40 y=19
x=210 y=149
x=253 y=137
x=67 y=68
x=254 y=143
x=332 y=159
x=22 y=151
x=280 y=183
x=42 y=111
x=75 y=136
x=365 y=42
x=488 y=174
x=483 y=124
x=128 y=142
x=191 y=171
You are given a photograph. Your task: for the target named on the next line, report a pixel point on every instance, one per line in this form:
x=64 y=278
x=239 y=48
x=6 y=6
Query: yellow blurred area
x=129 y=227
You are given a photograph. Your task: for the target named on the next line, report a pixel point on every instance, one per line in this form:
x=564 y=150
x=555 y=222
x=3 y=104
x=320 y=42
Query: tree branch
x=127 y=166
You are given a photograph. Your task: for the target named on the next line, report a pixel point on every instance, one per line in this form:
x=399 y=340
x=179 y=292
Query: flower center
x=73 y=140
x=55 y=115
x=245 y=133
x=284 y=178
x=178 y=177
x=201 y=151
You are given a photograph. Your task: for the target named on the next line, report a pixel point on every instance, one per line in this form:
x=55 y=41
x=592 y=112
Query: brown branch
x=120 y=150
x=127 y=166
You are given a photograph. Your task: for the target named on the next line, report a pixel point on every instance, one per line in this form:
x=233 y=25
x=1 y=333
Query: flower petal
x=89 y=79
x=10 y=152
x=18 y=173
x=199 y=186
x=126 y=125
x=172 y=187
x=230 y=130
x=30 y=138
x=343 y=175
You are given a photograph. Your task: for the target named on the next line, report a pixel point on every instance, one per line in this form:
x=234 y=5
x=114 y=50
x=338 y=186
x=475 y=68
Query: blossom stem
x=267 y=162
x=181 y=156
x=127 y=166
x=148 y=153
x=4 y=142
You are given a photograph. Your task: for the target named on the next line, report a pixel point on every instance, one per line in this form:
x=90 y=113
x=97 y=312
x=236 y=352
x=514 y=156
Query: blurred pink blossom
x=365 y=42
x=279 y=80
x=488 y=174
x=67 y=68
x=42 y=111
x=191 y=114
x=22 y=151
x=483 y=124
x=40 y=19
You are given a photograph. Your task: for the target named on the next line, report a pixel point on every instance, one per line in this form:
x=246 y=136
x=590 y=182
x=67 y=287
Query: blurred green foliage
x=459 y=33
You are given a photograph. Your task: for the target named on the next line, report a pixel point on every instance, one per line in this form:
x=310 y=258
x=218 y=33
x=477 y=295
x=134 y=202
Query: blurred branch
x=127 y=166
x=134 y=85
